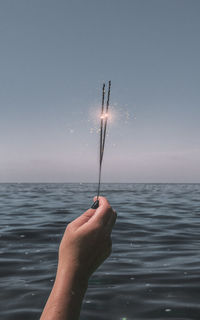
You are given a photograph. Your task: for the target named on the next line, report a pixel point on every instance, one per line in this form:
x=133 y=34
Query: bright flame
x=106 y=115
x=96 y=116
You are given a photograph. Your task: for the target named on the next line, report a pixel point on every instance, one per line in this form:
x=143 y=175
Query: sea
x=152 y=273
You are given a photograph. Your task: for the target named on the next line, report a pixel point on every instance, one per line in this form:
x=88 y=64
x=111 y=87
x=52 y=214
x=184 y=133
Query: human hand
x=86 y=242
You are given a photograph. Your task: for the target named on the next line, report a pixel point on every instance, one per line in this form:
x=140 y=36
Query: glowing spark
x=105 y=115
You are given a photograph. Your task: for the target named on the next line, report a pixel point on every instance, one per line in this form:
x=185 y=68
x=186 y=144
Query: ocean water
x=152 y=273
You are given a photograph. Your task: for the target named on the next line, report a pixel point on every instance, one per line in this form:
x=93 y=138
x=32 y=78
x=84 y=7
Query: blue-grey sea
x=152 y=273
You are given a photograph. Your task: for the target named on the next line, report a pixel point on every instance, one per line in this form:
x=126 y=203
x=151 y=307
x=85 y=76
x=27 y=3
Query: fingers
x=102 y=213
x=110 y=223
x=102 y=201
x=83 y=218
x=103 y=216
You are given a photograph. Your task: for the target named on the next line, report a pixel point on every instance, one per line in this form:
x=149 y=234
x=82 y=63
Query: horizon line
x=80 y=182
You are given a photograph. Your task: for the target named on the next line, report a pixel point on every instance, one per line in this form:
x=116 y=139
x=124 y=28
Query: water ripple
x=154 y=269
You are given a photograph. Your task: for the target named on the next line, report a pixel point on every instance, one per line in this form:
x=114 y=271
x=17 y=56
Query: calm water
x=153 y=272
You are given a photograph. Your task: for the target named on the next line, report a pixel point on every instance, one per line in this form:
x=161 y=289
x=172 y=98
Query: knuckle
x=109 y=208
x=70 y=226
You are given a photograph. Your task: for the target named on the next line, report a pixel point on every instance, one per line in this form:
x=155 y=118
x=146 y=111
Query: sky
x=54 y=58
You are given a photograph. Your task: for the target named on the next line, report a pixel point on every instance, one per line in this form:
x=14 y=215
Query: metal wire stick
x=106 y=119
x=103 y=127
x=101 y=137
x=101 y=122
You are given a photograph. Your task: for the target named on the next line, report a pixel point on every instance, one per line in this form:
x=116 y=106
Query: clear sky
x=54 y=57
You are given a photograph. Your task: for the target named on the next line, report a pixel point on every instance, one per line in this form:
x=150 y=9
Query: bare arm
x=86 y=243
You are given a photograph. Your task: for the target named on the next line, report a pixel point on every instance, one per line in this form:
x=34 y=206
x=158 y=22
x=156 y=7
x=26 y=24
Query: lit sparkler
x=103 y=127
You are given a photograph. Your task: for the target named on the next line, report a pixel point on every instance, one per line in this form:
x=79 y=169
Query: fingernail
x=95 y=205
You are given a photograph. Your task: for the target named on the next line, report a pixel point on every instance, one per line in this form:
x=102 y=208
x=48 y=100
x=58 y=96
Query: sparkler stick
x=103 y=127
x=106 y=119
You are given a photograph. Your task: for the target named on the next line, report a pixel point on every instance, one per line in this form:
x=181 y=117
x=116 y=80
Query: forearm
x=64 y=302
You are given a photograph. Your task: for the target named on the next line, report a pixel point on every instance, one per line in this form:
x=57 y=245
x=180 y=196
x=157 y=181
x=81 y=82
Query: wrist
x=68 y=277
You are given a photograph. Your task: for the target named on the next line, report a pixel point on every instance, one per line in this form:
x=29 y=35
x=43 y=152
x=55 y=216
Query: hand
x=86 y=242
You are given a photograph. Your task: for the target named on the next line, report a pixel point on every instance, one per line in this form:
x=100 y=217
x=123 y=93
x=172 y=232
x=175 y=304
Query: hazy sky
x=54 y=57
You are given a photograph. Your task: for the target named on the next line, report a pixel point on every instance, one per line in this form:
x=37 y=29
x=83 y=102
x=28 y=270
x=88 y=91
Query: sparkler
x=103 y=127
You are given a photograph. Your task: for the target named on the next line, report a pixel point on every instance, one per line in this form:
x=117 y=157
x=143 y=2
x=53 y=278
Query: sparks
x=105 y=115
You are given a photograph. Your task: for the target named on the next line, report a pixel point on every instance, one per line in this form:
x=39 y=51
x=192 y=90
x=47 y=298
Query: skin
x=86 y=243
